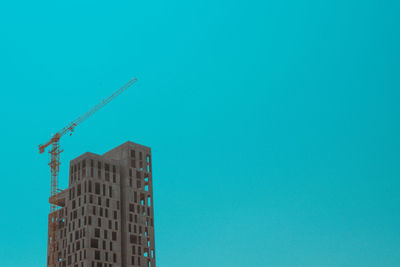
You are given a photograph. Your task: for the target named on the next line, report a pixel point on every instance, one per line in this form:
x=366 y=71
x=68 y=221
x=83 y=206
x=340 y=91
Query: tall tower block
x=106 y=215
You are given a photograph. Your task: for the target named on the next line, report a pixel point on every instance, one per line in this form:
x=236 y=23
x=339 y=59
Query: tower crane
x=55 y=164
x=55 y=139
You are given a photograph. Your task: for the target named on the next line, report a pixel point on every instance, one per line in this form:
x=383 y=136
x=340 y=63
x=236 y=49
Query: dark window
x=97 y=255
x=91 y=168
x=99 y=170
x=97 y=188
x=114 y=236
x=94 y=243
x=83 y=169
x=97 y=232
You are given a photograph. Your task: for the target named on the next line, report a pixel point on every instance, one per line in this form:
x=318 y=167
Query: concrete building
x=106 y=215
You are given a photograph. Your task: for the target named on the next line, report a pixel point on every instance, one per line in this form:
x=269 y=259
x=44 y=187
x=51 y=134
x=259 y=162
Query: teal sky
x=274 y=125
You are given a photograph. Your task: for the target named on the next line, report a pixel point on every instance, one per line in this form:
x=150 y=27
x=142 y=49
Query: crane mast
x=55 y=167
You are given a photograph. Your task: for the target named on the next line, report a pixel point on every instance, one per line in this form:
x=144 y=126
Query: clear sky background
x=274 y=125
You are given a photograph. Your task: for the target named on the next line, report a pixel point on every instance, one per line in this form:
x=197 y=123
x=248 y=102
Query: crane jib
x=71 y=126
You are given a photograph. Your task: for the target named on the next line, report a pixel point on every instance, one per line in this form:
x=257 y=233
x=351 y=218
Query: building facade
x=106 y=215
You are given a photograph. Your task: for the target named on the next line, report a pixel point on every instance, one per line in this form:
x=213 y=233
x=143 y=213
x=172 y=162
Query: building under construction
x=105 y=217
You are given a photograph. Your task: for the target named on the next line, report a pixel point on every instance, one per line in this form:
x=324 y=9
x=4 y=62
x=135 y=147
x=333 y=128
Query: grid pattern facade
x=106 y=218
